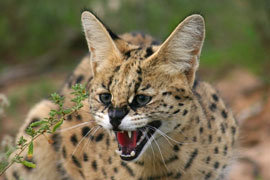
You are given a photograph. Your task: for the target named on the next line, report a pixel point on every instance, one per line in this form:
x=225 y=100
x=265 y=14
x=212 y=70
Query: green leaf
x=21 y=141
x=30 y=150
x=28 y=164
x=67 y=111
x=34 y=124
x=57 y=125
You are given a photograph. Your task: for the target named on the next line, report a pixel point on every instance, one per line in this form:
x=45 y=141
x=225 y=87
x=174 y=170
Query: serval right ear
x=101 y=46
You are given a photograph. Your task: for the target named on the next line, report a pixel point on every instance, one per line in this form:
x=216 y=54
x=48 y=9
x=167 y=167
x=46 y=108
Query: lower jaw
x=138 y=151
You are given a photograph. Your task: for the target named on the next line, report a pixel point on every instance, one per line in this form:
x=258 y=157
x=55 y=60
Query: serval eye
x=105 y=98
x=140 y=100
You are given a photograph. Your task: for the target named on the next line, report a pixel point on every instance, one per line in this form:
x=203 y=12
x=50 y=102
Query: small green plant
x=43 y=127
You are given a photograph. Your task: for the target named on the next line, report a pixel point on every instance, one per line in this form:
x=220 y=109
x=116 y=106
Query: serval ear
x=181 y=51
x=100 y=43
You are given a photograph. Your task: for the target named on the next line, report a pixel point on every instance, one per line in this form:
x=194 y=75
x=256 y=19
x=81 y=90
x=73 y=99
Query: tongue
x=125 y=141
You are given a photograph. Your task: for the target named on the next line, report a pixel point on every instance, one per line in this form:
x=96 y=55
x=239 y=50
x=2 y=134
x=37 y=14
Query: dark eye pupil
x=105 y=98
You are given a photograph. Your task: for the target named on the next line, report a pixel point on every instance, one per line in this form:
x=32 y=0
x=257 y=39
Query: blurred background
x=42 y=41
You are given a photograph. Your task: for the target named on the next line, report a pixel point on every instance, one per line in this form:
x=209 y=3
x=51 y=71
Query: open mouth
x=131 y=143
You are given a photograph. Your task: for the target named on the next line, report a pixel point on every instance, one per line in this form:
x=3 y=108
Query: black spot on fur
x=85 y=157
x=208 y=159
x=208 y=175
x=215 y=97
x=216 y=150
x=180 y=104
x=85 y=131
x=210 y=138
x=233 y=129
x=216 y=165
x=129 y=170
x=177 y=126
x=222 y=127
x=104 y=172
x=225 y=150
x=115 y=169
x=175 y=148
x=224 y=114
x=177 y=97
x=171 y=159
x=201 y=130
x=178 y=175
x=57 y=140
x=94 y=165
x=74 y=139
x=116 y=69
x=191 y=158
x=185 y=112
x=177 y=111
x=99 y=137
x=81 y=173
x=69 y=117
x=79 y=79
x=64 y=152
x=79 y=117
x=149 y=52
x=75 y=161
x=15 y=175
x=213 y=107
x=194 y=139
x=166 y=93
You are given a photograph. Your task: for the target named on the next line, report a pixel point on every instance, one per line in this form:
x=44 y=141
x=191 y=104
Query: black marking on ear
x=99 y=137
x=191 y=159
x=149 y=52
x=75 y=161
x=113 y=35
x=57 y=139
x=79 y=79
x=85 y=131
x=74 y=139
x=129 y=170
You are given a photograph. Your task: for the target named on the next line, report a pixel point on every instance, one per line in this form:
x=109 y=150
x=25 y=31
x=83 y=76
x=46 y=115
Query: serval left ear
x=101 y=45
x=180 y=52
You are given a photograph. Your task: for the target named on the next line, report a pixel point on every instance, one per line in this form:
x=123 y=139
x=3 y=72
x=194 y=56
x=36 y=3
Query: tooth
x=119 y=152
x=129 y=134
x=132 y=153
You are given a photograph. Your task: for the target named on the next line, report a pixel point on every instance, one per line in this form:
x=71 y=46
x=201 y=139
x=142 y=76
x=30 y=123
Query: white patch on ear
x=181 y=50
x=99 y=42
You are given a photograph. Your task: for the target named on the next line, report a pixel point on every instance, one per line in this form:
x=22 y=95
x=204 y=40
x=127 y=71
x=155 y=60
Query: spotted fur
x=197 y=136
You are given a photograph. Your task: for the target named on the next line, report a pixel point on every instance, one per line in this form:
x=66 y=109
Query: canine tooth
x=119 y=152
x=132 y=153
x=129 y=134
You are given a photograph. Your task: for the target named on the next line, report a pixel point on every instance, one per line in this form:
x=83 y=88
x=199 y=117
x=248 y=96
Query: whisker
x=81 y=142
x=75 y=126
x=161 y=154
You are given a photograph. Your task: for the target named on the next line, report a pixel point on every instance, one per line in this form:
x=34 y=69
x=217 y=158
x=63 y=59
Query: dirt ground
x=249 y=98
